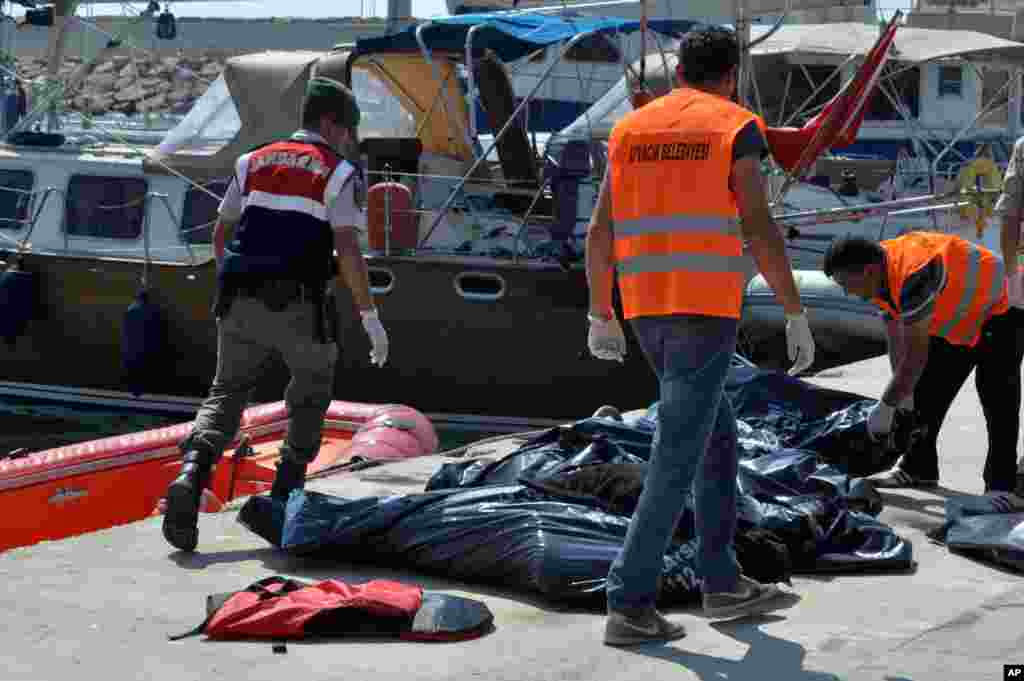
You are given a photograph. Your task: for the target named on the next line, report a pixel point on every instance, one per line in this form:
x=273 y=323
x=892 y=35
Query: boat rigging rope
x=53 y=90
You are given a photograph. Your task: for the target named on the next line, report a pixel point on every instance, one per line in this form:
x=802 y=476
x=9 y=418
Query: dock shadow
x=767 y=656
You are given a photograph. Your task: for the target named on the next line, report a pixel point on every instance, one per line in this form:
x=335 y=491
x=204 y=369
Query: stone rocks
x=147 y=84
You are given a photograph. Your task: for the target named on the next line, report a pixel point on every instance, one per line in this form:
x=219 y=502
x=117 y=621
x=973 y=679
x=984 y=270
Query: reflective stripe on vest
x=691 y=262
x=674 y=218
x=295 y=204
x=284 y=230
x=679 y=223
x=975 y=288
x=962 y=327
x=294 y=176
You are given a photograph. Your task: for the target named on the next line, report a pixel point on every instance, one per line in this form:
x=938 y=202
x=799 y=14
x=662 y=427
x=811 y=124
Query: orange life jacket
x=677 y=242
x=975 y=287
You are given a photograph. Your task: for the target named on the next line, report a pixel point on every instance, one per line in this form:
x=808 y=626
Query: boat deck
x=105 y=603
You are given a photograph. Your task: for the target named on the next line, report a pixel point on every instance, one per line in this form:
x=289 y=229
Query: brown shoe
x=649 y=627
x=749 y=598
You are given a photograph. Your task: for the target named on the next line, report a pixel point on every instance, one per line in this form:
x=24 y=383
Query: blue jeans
x=695 y=441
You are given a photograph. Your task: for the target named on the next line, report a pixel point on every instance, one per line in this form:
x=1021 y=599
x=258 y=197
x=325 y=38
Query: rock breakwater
x=129 y=85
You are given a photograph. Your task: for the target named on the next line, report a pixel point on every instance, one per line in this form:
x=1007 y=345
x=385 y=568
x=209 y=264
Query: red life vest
x=282 y=609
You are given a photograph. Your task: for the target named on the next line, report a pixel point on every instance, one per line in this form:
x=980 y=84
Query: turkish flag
x=795 y=149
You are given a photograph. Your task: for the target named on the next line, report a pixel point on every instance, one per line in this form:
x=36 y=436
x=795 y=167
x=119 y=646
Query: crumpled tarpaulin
x=975 y=527
x=551 y=517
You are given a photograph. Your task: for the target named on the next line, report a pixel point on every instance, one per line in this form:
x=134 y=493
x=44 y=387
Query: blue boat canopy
x=512 y=36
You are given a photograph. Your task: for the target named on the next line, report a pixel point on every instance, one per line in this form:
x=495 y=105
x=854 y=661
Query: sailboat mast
x=63 y=10
x=399 y=11
x=742 y=24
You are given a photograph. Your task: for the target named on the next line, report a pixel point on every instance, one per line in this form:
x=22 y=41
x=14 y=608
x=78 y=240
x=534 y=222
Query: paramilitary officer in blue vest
x=290 y=206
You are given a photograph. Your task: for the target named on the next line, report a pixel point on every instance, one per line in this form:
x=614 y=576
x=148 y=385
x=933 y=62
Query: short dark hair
x=708 y=53
x=852 y=253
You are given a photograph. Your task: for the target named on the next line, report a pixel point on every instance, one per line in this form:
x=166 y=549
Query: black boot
x=181 y=521
x=290 y=475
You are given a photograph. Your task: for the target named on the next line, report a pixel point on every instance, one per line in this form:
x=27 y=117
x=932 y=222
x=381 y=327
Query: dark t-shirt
x=749 y=142
x=920 y=291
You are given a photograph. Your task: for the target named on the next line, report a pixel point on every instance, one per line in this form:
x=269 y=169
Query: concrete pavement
x=101 y=605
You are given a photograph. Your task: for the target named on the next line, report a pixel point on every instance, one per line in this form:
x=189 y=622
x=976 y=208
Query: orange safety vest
x=975 y=288
x=677 y=242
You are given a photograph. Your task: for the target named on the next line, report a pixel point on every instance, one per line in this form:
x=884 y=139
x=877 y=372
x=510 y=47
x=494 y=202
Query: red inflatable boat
x=94 y=485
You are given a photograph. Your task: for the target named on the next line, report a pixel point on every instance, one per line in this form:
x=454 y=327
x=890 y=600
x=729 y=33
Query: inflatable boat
x=846 y=328
x=89 y=486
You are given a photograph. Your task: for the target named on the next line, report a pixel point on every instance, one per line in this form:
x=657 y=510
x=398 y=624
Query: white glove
x=880 y=420
x=799 y=342
x=605 y=339
x=378 y=336
x=1015 y=284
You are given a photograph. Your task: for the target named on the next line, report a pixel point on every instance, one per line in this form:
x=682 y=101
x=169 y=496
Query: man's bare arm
x=1009 y=239
x=912 y=360
x=894 y=336
x=222 y=232
x=759 y=229
x=353 y=267
x=600 y=255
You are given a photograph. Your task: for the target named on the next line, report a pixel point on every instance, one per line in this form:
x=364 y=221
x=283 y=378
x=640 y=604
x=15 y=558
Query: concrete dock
x=102 y=605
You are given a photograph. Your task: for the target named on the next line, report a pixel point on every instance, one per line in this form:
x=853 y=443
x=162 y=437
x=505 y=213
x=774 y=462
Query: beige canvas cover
x=264 y=93
x=805 y=41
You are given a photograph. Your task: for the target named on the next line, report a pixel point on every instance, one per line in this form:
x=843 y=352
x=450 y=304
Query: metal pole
x=1013 y=110
x=453 y=127
x=471 y=83
x=743 y=34
x=145 y=237
x=960 y=135
x=387 y=209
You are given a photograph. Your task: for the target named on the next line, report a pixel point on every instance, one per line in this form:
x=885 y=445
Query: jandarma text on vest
x=672 y=151
x=290 y=159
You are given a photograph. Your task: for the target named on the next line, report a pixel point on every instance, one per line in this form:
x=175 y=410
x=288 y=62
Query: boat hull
x=469 y=335
x=846 y=329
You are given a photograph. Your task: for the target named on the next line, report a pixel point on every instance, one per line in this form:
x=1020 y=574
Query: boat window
x=15 y=197
x=951 y=81
x=383 y=114
x=200 y=213
x=105 y=207
x=905 y=88
x=211 y=123
x=595 y=48
x=995 y=94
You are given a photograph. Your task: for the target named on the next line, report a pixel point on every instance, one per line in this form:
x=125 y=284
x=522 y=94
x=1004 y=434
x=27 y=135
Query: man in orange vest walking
x=947 y=313
x=683 y=190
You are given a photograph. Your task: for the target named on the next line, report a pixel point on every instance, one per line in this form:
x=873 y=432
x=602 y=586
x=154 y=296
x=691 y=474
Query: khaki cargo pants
x=248 y=338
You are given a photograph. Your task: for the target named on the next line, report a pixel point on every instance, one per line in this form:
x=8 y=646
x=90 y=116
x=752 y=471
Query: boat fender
x=166 y=26
x=19 y=299
x=984 y=172
x=143 y=341
x=396 y=432
x=848 y=186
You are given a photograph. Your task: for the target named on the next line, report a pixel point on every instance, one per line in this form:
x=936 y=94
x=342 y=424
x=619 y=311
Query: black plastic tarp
x=550 y=517
x=975 y=526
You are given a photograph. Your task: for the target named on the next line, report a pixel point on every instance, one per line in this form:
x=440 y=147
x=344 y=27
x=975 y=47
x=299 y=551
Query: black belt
x=279 y=293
